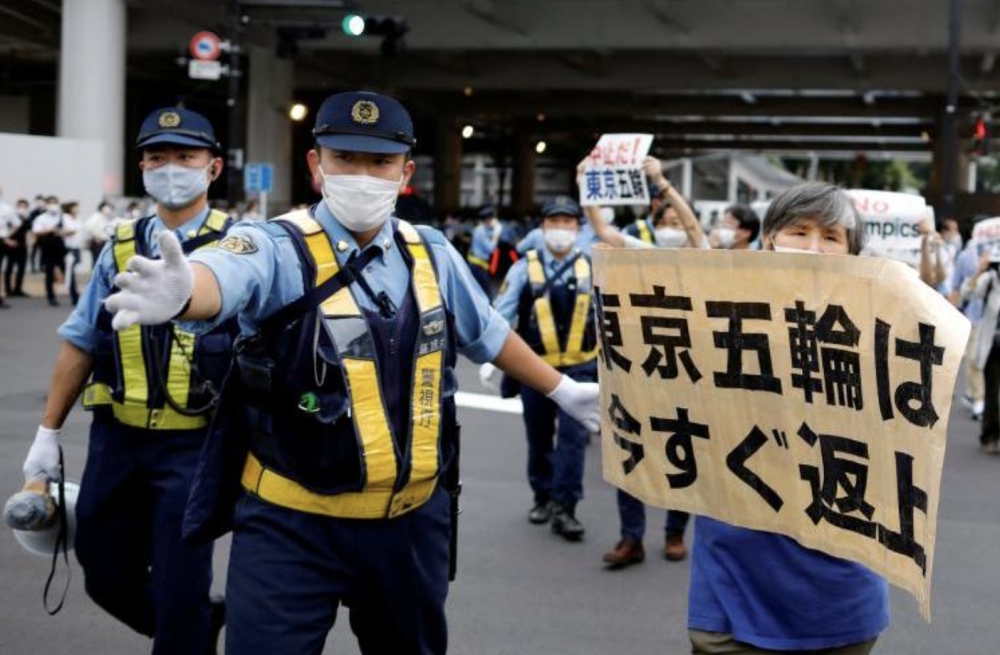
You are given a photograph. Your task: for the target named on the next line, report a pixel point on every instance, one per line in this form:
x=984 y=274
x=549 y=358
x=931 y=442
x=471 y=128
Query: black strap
x=62 y=541
x=194 y=243
x=558 y=274
x=315 y=297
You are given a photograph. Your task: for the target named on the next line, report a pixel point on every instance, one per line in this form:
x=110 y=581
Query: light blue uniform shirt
x=80 y=328
x=254 y=285
x=482 y=241
x=517 y=277
x=535 y=240
x=966 y=266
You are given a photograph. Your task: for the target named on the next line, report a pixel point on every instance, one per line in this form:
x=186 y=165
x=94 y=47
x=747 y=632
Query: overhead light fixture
x=540 y=147
x=298 y=111
x=468 y=131
x=353 y=25
x=467 y=91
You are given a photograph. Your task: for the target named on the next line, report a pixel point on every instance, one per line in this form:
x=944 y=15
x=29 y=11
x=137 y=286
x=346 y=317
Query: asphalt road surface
x=520 y=589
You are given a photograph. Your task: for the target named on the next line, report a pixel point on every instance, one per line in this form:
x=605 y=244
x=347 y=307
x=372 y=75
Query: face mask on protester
x=360 y=202
x=669 y=237
x=559 y=240
x=726 y=236
x=106 y=211
x=798 y=250
x=175 y=186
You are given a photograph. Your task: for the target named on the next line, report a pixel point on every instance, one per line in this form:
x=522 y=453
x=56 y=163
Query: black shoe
x=541 y=513
x=216 y=623
x=18 y=294
x=565 y=523
x=53 y=303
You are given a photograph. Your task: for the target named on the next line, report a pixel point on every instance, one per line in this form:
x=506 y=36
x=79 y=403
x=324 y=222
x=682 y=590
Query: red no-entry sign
x=206 y=46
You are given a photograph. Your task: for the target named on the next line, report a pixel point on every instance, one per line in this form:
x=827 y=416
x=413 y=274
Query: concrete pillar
x=269 y=129
x=91 y=101
x=447 y=168
x=687 y=178
x=523 y=184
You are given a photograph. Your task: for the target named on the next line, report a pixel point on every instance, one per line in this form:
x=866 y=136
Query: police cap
x=361 y=121
x=177 y=126
x=561 y=205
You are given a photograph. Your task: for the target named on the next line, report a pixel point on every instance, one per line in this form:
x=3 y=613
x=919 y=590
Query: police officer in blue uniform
x=150 y=390
x=351 y=322
x=485 y=237
x=546 y=297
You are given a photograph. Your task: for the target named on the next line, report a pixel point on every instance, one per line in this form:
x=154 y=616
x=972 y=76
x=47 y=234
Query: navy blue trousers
x=128 y=540
x=632 y=514
x=483 y=278
x=289 y=571
x=555 y=454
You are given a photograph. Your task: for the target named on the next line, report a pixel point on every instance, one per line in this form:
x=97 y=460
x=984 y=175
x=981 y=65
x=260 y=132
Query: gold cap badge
x=169 y=119
x=365 y=112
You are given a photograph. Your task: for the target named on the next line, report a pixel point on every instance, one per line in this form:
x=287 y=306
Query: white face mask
x=726 y=236
x=175 y=186
x=360 y=202
x=669 y=237
x=559 y=240
x=52 y=209
x=798 y=250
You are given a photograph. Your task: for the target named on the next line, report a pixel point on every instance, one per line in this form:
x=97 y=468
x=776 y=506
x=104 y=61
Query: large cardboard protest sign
x=892 y=223
x=613 y=171
x=800 y=394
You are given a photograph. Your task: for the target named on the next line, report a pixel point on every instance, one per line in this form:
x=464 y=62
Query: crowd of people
x=56 y=240
x=358 y=364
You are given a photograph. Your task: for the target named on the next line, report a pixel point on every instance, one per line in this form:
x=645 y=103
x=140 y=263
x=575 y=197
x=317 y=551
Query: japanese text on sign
x=799 y=394
x=613 y=171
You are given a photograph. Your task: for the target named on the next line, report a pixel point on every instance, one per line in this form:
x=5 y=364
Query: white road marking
x=489 y=402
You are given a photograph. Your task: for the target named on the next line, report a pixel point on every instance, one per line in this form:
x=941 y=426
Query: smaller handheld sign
x=892 y=222
x=205 y=46
x=986 y=233
x=613 y=172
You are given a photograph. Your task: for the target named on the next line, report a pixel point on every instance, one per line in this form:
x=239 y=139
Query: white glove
x=489 y=376
x=43 y=458
x=580 y=400
x=153 y=291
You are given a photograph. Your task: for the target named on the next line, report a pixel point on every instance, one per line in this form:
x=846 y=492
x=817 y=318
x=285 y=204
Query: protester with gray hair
x=759 y=592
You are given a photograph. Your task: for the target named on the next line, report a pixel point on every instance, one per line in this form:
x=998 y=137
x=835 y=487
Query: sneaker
x=977 y=410
x=625 y=553
x=541 y=513
x=674 y=549
x=565 y=523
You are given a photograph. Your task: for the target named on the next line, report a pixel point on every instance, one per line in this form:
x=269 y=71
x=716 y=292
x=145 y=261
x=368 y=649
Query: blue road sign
x=258 y=178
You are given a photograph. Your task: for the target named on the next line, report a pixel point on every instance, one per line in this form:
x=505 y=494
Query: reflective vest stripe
x=644 y=232
x=478 y=261
x=276 y=488
x=130 y=352
x=574 y=353
x=426 y=409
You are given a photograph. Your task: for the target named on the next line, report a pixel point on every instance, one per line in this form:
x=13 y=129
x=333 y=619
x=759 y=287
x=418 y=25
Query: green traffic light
x=353 y=25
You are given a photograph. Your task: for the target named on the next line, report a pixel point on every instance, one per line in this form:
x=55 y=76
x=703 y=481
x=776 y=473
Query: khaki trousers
x=973 y=375
x=719 y=643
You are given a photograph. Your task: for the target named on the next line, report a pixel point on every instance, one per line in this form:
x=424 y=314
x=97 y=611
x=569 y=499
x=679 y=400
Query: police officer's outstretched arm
x=155 y=291
x=578 y=399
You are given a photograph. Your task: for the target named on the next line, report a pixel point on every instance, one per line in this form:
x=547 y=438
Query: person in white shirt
x=47 y=228
x=99 y=227
x=77 y=240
